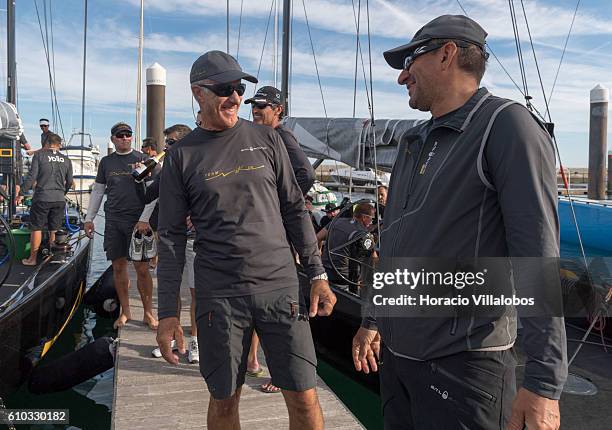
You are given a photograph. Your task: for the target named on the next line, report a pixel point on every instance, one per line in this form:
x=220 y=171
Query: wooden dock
x=150 y=393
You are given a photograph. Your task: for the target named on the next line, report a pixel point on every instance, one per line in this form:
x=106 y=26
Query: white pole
x=137 y=139
x=275 y=53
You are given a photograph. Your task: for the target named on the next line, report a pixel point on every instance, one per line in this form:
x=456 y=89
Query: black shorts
x=471 y=390
x=117 y=237
x=225 y=329
x=47 y=215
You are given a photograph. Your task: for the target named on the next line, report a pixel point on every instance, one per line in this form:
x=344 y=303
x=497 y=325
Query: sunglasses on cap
x=225 y=90
x=170 y=142
x=123 y=134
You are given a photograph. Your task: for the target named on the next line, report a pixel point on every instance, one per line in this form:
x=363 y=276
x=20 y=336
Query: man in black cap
x=267 y=109
x=331 y=210
x=234 y=179
x=476 y=180
x=122 y=210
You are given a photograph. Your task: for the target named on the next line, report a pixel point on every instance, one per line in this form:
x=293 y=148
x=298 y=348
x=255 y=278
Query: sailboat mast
x=84 y=69
x=11 y=82
x=137 y=140
x=285 y=64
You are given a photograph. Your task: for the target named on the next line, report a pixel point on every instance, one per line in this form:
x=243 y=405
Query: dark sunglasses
x=44 y=126
x=170 y=142
x=424 y=49
x=262 y=105
x=225 y=90
x=123 y=135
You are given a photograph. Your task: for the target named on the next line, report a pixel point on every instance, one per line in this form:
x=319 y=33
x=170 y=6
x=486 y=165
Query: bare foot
x=121 y=321
x=150 y=321
x=28 y=262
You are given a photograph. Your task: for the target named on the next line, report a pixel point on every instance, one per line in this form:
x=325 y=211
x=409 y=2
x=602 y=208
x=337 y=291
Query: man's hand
x=189 y=223
x=322 y=299
x=169 y=329
x=89 y=228
x=366 y=350
x=535 y=412
x=142 y=227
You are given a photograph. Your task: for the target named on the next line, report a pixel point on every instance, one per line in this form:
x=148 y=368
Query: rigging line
x=563 y=53
x=377 y=204
x=365 y=79
x=357 y=23
x=45 y=37
x=535 y=59
x=495 y=56
x=314 y=57
x=239 y=29
x=59 y=116
x=263 y=49
x=519 y=52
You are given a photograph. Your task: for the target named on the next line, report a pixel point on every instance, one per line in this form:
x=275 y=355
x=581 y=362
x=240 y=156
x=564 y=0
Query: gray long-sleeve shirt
x=52 y=172
x=456 y=194
x=244 y=201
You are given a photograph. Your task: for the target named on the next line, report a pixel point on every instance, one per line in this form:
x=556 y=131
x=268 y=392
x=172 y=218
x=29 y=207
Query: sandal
x=255 y=373
x=269 y=388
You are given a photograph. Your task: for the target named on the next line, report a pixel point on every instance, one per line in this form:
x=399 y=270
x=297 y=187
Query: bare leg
x=35 y=239
x=122 y=284
x=252 y=362
x=192 y=306
x=51 y=237
x=145 y=288
x=223 y=414
x=304 y=410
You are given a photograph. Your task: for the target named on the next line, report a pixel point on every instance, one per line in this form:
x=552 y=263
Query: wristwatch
x=321 y=277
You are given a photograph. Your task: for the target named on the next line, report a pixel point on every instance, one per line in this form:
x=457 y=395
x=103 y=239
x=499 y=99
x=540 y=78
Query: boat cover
x=10 y=123
x=350 y=140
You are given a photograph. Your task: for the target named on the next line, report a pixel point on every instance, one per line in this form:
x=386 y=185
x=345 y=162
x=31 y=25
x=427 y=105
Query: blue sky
x=178 y=31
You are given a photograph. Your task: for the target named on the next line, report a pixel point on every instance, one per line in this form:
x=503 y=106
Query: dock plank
x=150 y=393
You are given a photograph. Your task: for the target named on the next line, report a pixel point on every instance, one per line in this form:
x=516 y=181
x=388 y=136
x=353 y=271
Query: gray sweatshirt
x=52 y=172
x=244 y=202
x=457 y=193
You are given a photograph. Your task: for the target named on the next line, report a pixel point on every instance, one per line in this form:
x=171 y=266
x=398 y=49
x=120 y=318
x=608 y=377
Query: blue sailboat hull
x=594 y=220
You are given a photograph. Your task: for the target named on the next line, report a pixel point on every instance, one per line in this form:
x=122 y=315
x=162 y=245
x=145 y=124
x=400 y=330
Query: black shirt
x=302 y=169
x=244 y=201
x=122 y=200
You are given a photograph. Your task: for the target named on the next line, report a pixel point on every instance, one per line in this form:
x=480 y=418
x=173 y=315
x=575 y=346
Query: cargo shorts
x=225 y=329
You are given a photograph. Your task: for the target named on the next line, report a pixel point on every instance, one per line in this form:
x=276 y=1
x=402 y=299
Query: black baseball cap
x=457 y=27
x=330 y=207
x=268 y=94
x=119 y=127
x=218 y=66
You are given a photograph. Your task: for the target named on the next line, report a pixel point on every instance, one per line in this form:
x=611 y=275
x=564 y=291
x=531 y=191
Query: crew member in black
x=267 y=109
x=476 y=180
x=122 y=209
x=235 y=179
x=51 y=171
x=338 y=265
x=381 y=195
x=45 y=132
x=331 y=210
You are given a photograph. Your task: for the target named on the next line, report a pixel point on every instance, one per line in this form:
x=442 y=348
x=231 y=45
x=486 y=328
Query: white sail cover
x=352 y=140
x=10 y=123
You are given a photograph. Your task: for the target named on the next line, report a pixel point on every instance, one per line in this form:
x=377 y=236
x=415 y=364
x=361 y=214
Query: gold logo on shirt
x=219 y=174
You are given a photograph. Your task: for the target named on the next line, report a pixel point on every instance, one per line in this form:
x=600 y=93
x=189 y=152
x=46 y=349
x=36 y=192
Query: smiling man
x=476 y=180
x=235 y=180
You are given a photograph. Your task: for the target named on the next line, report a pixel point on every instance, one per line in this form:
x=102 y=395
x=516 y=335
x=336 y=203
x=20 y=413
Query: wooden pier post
x=598 y=142
x=156 y=104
